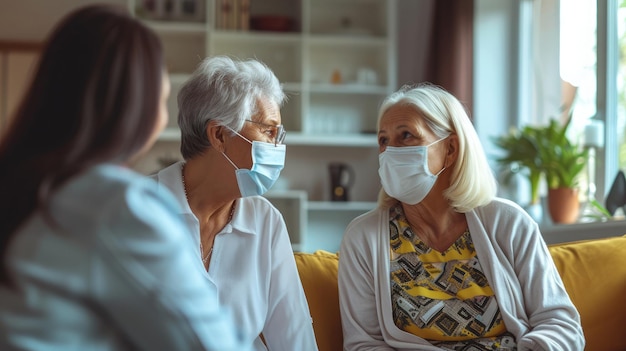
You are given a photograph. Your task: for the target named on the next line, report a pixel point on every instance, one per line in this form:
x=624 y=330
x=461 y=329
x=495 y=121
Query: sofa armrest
x=594 y=275
x=318 y=273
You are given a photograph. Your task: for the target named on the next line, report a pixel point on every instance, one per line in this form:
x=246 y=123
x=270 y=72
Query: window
x=621 y=83
x=592 y=72
x=610 y=92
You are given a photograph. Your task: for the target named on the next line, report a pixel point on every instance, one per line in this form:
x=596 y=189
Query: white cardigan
x=535 y=307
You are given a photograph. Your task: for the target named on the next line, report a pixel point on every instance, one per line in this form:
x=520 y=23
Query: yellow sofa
x=593 y=271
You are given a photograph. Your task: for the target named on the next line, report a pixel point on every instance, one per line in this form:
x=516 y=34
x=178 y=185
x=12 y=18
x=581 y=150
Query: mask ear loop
x=244 y=138
x=434 y=142
x=229 y=160
x=438 y=173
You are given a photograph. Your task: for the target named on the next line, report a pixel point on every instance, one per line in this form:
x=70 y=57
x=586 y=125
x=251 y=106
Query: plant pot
x=563 y=205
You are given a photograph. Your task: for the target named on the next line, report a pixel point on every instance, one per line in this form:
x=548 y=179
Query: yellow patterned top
x=443 y=297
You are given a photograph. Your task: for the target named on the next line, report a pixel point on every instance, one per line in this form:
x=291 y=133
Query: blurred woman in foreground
x=92 y=256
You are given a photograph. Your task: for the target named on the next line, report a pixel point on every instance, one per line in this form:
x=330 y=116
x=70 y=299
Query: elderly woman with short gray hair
x=232 y=145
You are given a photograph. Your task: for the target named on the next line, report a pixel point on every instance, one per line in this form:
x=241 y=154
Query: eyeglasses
x=275 y=132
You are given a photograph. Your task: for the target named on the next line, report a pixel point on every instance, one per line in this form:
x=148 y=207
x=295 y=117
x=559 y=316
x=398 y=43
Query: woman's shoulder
x=169 y=177
x=259 y=205
x=255 y=213
x=367 y=218
x=114 y=179
x=112 y=175
x=365 y=225
x=501 y=206
x=115 y=190
x=504 y=213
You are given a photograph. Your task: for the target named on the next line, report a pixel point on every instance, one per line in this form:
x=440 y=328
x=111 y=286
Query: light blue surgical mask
x=404 y=172
x=268 y=160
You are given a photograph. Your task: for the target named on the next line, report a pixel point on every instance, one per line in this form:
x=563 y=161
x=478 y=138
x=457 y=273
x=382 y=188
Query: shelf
x=173 y=27
x=349 y=88
x=291 y=204
x=295 y=138
x=350 y=17
x=285 y=194
x=292 y=87
x=341 y=206
x=179 y=78
x=255 y=37
x=281 y=52
x=347 y=39
x=170 y=134
x=356 y=140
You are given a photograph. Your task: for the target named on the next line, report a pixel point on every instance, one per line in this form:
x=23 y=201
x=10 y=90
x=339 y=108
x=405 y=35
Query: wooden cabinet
x=17 y=62
x=337 y=61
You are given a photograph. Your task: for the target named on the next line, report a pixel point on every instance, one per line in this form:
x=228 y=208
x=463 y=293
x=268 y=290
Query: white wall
x=31 y=20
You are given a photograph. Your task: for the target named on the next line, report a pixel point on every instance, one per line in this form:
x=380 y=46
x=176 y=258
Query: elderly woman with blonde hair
x=442 y=263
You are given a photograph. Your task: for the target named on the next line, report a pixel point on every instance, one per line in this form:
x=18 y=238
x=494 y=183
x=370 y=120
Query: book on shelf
x=232 y=14
x=244 y=14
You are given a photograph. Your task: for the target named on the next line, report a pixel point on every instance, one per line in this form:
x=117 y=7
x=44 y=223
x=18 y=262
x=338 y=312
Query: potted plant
x=563 y=161
x=547 y=151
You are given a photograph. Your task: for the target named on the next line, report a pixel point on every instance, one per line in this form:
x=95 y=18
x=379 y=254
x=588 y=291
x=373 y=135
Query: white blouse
x=254 y=270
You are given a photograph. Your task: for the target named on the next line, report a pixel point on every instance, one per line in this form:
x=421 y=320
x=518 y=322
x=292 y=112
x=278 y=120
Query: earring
x=617 y=195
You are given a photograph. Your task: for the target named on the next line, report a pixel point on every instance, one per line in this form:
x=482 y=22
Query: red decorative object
x=272 y=23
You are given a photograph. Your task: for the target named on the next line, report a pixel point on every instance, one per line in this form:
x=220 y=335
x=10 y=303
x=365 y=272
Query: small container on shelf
x=335 y=78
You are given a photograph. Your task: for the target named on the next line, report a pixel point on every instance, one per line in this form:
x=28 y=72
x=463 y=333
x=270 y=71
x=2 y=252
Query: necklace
x=205 y=259
x=208 y=255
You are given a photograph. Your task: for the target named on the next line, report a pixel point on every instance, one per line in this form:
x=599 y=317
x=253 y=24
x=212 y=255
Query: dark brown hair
x=94 y=98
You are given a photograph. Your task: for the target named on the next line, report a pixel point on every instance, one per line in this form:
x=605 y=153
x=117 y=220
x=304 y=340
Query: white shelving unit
x=336 y=64
x=292 y=204
x=327 y=219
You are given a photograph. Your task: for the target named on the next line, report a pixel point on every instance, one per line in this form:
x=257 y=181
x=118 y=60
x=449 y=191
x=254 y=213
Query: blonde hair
x=472 y=183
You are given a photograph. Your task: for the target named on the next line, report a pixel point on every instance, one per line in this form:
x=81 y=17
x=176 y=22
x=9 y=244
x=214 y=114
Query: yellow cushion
x=318 y=273
x=594 y=274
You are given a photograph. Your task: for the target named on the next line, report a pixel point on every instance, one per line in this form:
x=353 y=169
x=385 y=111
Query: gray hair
x=224 y=90
x=473 y=183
